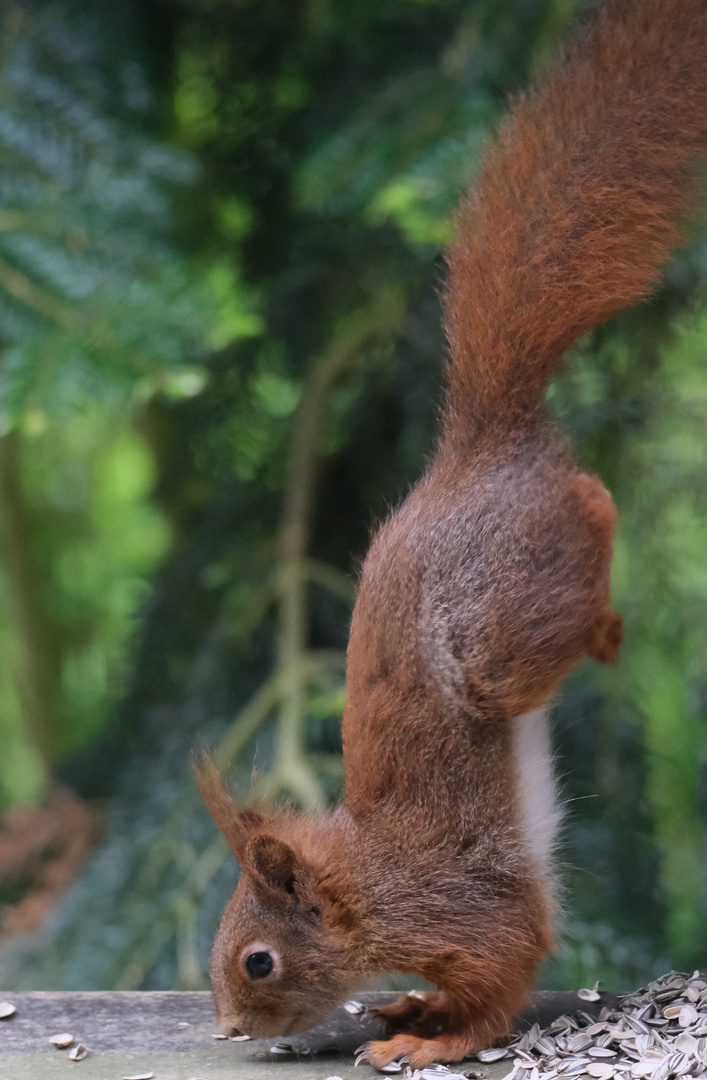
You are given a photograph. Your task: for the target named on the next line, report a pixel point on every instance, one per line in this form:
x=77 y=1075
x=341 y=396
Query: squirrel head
x=279 y=959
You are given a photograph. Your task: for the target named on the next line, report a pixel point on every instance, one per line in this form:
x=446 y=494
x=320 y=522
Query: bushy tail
x=581 y=199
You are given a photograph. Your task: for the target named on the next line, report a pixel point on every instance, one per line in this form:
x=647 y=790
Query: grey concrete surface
x=171 y=1034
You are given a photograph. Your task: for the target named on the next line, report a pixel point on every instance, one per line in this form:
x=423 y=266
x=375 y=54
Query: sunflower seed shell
x=62 y=1041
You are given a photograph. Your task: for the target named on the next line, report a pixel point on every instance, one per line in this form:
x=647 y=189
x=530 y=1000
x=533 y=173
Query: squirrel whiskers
x=484 y=588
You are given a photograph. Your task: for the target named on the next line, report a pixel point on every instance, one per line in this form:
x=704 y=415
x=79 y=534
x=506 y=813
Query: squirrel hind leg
x=606 y=637
x=598 y=509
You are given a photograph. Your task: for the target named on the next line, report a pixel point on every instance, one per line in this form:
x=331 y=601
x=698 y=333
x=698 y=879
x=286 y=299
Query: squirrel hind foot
x=606 y=637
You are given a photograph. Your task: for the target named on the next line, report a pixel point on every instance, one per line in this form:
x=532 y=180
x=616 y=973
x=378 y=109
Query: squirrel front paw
x=418 y=1052
x=419 y=1013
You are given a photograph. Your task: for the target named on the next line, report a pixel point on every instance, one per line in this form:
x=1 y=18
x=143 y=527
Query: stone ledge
x=171 y=1034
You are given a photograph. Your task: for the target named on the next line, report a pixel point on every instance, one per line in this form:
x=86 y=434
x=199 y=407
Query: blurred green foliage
x=94 y=540
x=220 y=233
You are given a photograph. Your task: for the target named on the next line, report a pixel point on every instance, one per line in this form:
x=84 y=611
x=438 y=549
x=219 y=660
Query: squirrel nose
x=227 y=1027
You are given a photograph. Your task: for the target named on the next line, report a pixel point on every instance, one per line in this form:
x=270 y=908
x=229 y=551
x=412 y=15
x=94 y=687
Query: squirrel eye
x=259 y=964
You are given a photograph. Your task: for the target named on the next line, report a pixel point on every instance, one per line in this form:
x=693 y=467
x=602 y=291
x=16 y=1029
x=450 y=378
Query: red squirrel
x=484 y=588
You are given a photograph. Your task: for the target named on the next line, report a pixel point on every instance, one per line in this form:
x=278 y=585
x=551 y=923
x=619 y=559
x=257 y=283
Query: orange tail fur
x=579 y=204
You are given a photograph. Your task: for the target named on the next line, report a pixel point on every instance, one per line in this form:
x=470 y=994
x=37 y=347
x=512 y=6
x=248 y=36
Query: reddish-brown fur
x=487 y=585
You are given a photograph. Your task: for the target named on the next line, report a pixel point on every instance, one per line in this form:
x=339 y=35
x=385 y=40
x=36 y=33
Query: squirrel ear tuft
x=236 y=823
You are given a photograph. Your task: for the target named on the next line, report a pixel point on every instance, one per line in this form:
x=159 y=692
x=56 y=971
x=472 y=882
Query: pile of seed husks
x=658 y=1032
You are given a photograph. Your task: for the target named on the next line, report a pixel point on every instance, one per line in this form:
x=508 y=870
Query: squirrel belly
x=538 y=803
